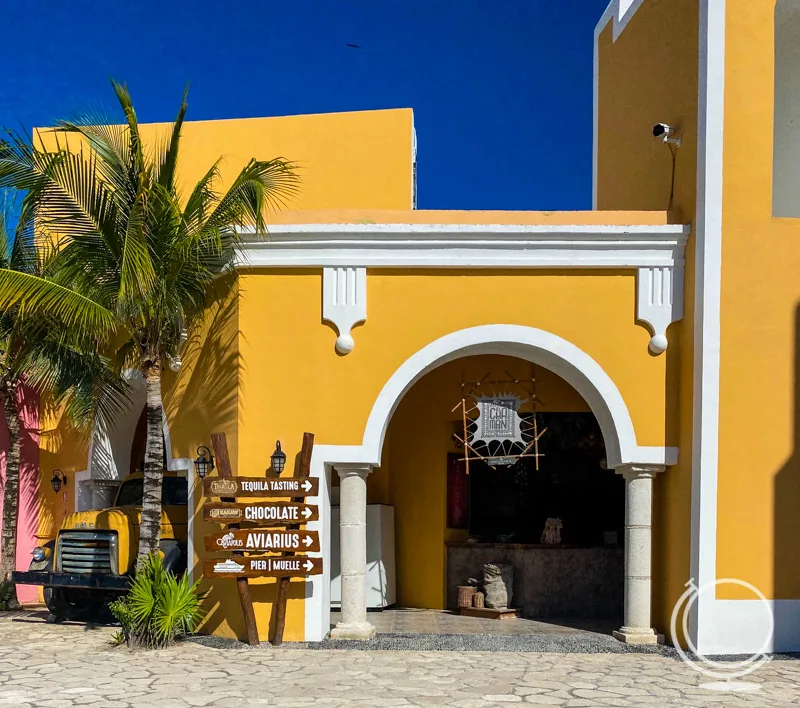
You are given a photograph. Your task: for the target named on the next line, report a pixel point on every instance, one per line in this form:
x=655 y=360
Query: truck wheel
x=174 y=557
x=77 y=605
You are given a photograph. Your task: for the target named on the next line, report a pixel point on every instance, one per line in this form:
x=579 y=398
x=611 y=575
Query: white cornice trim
x=464 y=246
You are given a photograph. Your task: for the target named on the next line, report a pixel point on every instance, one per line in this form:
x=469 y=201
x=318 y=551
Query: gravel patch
x=540 y=643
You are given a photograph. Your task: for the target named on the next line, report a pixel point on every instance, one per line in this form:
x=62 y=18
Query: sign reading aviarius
x=259 y=487
x=255 y=540
x=265 y=513
x=262 y=566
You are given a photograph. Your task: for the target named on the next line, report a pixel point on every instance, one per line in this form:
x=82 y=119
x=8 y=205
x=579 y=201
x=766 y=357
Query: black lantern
x=278 y=459
x=204 y=462
x=59 y=478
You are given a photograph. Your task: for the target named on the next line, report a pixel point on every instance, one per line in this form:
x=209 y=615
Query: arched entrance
x=638 y=464
x=452 y=513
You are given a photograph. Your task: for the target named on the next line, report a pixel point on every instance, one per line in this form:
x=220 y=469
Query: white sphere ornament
x=658 y=344
x=344 y=344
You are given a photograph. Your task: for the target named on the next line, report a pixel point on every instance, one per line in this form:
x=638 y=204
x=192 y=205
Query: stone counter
x=549 y=581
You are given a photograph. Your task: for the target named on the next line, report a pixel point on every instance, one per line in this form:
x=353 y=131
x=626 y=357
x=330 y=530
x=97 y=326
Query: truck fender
x=174 y=553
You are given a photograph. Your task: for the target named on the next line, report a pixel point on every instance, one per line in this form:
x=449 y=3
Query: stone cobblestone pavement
x=65 y=666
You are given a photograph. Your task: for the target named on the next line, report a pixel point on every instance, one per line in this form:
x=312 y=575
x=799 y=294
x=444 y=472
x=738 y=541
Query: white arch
x=554 y=353
x=558 y=355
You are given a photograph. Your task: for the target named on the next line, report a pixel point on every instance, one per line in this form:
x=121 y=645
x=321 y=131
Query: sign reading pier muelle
x=242 y=542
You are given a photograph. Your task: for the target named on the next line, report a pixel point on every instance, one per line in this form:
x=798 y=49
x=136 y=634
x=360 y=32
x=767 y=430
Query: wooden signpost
x=236 y=541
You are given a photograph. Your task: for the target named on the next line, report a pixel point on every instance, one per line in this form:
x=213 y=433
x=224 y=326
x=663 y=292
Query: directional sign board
x=256 y=540
x=262 y=566
x=264 y=513
x=260 y=487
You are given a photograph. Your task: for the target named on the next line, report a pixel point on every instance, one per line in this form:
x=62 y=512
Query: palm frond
x=168 y=159
x=34 y=296
x=261 y=185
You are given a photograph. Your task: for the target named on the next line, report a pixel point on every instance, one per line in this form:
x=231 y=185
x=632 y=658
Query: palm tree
x=58 y=362
x=133 y=246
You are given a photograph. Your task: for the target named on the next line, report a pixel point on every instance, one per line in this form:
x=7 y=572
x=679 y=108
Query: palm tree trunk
x=8 y=552
x=150 y=529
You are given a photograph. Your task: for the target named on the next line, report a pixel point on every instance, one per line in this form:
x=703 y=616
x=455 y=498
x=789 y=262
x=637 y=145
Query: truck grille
x=86 y=551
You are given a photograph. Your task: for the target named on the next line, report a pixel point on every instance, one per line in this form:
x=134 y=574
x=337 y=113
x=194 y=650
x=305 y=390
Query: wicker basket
x=477 y=599
x=465 y=593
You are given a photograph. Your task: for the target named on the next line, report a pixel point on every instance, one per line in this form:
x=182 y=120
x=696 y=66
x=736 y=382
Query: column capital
x=353 y=469
x=639 y=471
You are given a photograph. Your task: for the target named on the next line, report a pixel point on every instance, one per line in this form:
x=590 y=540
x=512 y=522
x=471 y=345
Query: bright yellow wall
x=293 y=381
x=648 y=76
x=356 y=160
x=413 y=472
x=759 y=470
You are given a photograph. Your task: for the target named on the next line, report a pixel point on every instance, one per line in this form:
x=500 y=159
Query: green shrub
x=158 y=609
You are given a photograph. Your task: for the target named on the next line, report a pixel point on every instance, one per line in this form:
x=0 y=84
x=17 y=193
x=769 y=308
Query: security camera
x=666 y=133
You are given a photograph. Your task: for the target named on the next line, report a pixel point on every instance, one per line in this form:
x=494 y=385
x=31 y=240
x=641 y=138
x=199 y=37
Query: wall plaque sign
x=264 y=513
x=260 y=487
x=262 y=566
x=498 y=420
x=257 y=540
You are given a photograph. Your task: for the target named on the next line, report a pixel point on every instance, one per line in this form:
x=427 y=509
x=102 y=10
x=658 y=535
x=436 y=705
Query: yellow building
x=665 y=319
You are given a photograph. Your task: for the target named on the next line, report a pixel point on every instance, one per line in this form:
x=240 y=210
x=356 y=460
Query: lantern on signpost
x=278 y=459
x=204 y=462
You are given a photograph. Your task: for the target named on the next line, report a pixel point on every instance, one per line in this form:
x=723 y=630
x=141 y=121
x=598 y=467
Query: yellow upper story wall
x=356 y=160
x=650 y=75
x=647 y=76
x=759 y=465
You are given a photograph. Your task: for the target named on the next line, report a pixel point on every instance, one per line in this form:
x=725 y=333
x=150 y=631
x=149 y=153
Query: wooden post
x=223 y=464
x=279 y=608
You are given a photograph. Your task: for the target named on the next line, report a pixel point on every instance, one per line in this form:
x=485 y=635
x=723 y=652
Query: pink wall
x=28 y=526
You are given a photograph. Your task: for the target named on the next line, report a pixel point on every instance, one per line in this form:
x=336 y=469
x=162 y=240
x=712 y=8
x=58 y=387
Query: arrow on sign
x=307 y=541
x=306 y=486
x=308 y=565
x=307 y=512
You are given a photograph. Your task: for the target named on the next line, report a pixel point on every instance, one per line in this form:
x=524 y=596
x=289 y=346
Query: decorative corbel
x=344 y=302
x=659 y=302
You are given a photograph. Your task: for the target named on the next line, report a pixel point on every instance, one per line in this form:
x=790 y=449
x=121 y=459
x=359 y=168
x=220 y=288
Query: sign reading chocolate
x=265 y=513
x=255 y=540
x=262 y=566
x=260 y=487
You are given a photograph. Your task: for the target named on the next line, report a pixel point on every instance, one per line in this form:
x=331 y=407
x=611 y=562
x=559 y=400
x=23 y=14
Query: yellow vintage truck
x=93 y=555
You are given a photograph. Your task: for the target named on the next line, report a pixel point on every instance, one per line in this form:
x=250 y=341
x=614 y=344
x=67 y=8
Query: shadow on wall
x=200 y=399
x=672 y=489
x=787 y=520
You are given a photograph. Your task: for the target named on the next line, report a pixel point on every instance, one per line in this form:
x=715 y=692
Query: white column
x=353 y=545
x=637 y=627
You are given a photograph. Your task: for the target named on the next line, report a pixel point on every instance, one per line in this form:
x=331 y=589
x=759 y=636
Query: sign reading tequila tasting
x=256 y=540
x=260 y=487
x=265 y=513
x=262 y=566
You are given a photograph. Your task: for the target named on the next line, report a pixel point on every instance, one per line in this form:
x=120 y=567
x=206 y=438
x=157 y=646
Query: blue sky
x=501 y=89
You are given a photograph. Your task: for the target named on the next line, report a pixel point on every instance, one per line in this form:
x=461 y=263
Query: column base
x=355 y=630
x=637 y=635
